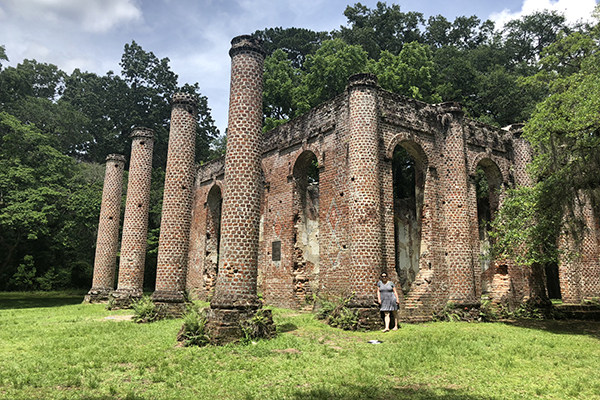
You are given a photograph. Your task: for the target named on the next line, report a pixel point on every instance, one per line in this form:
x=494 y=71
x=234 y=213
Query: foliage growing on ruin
x=485 y=312
x=260 y=326
x=334 y=311
x=144 y=310
x=193 y=332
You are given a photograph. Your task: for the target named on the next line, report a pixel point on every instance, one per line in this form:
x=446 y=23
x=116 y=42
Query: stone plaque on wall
x=276 y=251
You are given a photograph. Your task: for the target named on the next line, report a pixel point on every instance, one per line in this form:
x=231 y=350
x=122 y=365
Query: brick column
x=366 y=246
x=177 y=205
x=108 y=231
x=135 y=222
x=458 y=238
x=235 y=292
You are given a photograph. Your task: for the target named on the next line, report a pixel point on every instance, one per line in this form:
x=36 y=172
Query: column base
x=237 y=303
x=123 y=298
x=369 y=318
x=97 y=296
x=169 y=304
x=465 y=301
x=228 y=325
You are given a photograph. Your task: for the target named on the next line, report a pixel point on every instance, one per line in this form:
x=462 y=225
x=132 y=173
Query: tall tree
x=463 y=33
x=411 y=73
x=3 y=55
x=139 y=97
x=526 y=37
x=382 y=28
x=565 y=133
x=297 y=43
x=327 y=72
x=32 y=92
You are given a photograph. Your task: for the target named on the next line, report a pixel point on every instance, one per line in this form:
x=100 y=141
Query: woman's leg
x=386 y=319
x=395 y=315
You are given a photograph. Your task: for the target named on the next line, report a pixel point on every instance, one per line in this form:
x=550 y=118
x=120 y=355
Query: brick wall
x=446 y=148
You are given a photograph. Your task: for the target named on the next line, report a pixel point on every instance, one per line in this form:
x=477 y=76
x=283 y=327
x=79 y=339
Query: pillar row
x=135 y=223
x=177 y=202
x=108 y=230
x=365 y=189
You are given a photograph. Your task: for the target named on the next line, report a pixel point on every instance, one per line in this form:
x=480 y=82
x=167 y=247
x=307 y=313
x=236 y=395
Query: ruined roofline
x=211 y=162
x=307 y=119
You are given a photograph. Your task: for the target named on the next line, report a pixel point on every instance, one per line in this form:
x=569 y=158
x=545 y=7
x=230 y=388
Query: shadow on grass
x=287 y=327
x=10 y=301
x=561 y=327
x=413 y=392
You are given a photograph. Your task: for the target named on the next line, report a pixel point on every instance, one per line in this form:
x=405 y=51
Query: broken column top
x=363 y=79
x=186 y=101
x=115 y=157
x=247 y=43
x=140 y=131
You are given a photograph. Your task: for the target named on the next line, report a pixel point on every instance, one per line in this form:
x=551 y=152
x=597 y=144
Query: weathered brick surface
x=579 y=271
x=173 y=245
x=108 y=230
x=240 y=221
x=135 y=222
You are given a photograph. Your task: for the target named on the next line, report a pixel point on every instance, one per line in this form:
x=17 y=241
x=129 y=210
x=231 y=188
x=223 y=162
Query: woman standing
x=387 y=297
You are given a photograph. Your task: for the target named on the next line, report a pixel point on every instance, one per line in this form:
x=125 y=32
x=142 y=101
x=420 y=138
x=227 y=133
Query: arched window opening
x=408 y=188
x=553 y=281
x=488 y=181
x=305 y=267
x=213 y=239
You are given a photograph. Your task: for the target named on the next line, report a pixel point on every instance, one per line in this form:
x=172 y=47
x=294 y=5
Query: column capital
x=141 y=132
x=361 y=80
x=185 y=101
x=115 y=157
x=246 y=43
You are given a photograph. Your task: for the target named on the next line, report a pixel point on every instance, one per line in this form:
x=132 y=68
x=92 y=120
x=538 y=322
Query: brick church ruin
x=368 y=181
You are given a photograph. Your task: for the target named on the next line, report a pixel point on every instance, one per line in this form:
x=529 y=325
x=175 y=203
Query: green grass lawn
x=53 y=347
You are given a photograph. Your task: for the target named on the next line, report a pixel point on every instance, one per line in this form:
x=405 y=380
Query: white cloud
x=574 y=10
x=90 y=15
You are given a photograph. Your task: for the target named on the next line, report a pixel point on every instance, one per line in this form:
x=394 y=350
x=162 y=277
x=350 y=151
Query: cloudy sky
x=195 y=34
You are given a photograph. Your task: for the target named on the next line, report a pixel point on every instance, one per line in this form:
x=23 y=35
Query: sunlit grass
x=71 y=351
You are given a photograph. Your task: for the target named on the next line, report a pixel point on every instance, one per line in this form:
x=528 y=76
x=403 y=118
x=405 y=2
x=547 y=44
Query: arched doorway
x=305 y=261
x=213 y=239
x=488 y=183
x=408 y=189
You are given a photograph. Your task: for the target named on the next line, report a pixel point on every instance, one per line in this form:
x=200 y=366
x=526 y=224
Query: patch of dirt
x=118 y=318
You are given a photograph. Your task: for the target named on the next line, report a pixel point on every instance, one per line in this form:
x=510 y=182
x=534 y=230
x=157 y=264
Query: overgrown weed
x=334 y=311
x=144 y=310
